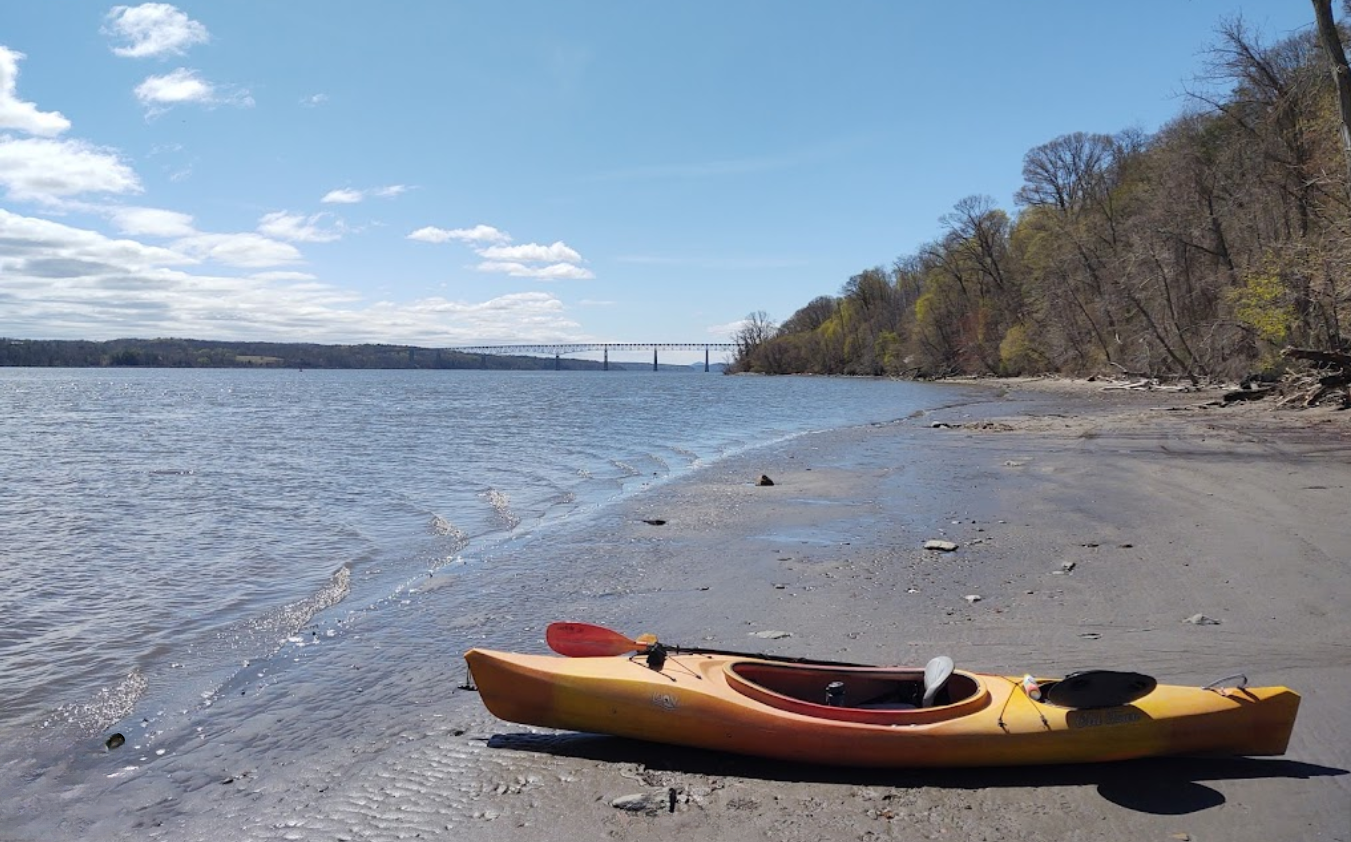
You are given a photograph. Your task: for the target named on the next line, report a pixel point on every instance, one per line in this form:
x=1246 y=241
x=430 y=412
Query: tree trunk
x=1341 y=74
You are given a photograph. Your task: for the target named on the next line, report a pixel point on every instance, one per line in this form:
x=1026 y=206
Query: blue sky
x=446 y=173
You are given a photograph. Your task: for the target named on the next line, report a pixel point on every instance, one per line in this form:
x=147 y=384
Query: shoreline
x=1165 y=509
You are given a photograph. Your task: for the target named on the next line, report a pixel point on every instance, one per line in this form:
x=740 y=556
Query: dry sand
x=1166 y=508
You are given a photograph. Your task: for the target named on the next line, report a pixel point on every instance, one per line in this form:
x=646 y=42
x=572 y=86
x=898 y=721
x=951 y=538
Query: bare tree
x=1341 y=73
x=756 y=329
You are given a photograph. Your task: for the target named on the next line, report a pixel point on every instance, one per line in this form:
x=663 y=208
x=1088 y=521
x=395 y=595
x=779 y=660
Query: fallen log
x=1327 y=358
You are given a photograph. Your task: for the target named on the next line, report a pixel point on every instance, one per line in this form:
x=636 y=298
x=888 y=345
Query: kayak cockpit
x=882 y=696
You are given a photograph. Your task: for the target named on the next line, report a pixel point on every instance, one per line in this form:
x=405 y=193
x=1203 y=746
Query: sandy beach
x=1166 y=507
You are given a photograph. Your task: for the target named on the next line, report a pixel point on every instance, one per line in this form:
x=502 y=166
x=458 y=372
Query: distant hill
x=198 y=353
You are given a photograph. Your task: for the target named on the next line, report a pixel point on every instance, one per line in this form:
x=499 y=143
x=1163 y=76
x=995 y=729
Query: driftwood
x=1146 y=385
x=1311 y=389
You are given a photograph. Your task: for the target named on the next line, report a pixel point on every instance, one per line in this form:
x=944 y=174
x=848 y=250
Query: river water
x=165 y=533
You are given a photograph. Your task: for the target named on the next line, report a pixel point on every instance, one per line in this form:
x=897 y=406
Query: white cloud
x=17 y=114
x=184 y=86
x=343 y=196
x=30 y=238
x=477 y=234
x=153 y=29
x=314 y=100
x=350 y=196
x=63 y=282
x=553 y=272
x=153 y=222
x=555 y=262
x=533 y=252
x=283 y=276
x=243 y=249
x=299 y=228
x=37 y=169
x=247 y=250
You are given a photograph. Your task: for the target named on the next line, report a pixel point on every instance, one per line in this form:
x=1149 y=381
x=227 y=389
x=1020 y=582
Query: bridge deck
x=578 y=347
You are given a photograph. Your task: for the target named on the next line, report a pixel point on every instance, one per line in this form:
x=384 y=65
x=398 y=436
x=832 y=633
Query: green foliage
x=1261 y=304
x=1018 y=354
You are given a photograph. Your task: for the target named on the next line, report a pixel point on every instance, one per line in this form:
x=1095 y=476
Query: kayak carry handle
x=1219 y=683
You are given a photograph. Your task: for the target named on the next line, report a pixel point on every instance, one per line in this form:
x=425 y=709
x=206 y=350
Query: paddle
x=584 y=640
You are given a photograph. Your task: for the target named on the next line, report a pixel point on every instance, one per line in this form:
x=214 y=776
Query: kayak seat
x=936 y=675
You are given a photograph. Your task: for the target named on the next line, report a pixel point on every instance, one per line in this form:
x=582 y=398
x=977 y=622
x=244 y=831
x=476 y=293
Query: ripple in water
x=501 y=504
x=109 y=705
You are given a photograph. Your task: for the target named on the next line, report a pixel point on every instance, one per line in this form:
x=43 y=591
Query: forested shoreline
x=1197 y=252
x=198 y=353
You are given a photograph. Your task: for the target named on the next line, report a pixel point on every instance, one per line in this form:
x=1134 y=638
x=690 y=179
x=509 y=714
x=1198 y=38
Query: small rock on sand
x=972 y=598
x=654 y=801
x=1201 y=620
x=771 y=634
x=943 y=546
x=764 y=480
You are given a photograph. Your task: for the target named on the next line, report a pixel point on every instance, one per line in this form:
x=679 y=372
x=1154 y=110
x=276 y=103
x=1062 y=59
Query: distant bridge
x=558 y=349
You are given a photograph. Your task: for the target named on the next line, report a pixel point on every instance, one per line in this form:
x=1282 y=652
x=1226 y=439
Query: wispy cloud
x=351 y=196
x=241 y=249
x=245 y=249
x=20 y=115
x=313 y=100
x=185 y=86
x=475 y=235
x=315 y=228
x=152 y=30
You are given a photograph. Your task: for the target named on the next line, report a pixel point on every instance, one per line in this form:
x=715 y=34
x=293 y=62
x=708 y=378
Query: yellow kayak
x=880 y=716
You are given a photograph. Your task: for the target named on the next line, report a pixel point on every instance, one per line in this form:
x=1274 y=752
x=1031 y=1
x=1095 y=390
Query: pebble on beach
x=943 y=546
x=651 y=802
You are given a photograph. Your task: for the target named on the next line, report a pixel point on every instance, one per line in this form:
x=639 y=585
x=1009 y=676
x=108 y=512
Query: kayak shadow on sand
x=1161 y=786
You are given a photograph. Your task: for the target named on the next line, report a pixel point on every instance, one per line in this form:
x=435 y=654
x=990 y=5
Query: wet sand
x=1166 y=508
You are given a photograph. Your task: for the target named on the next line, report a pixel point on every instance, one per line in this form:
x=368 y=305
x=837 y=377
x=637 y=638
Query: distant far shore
x=204 y=353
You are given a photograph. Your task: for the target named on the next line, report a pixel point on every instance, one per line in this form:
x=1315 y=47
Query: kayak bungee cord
x=1018 y=690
